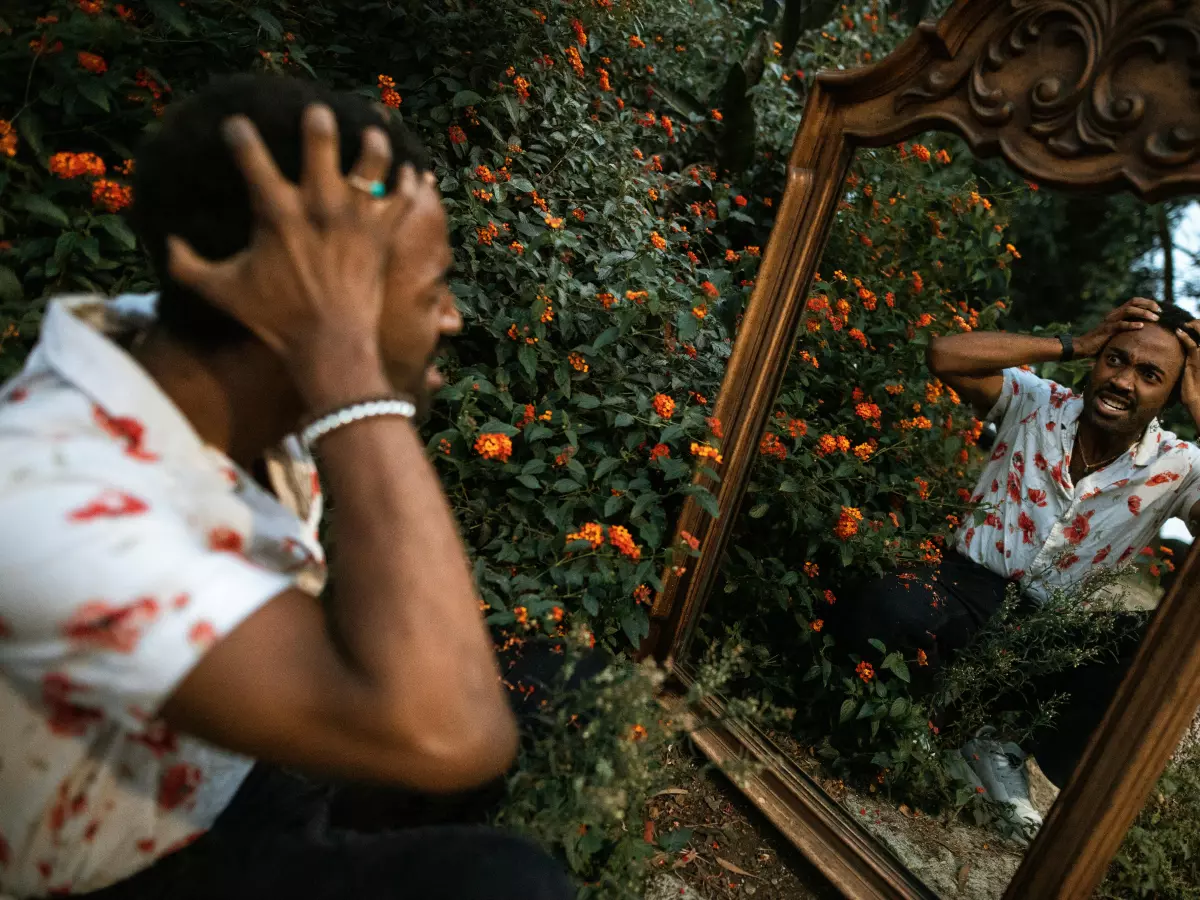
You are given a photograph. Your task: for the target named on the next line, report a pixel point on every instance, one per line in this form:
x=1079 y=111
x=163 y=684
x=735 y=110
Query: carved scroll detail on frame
x=1088 y=105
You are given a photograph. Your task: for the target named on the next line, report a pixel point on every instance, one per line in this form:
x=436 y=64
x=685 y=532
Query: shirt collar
x=76 y=342
x=1144 y=451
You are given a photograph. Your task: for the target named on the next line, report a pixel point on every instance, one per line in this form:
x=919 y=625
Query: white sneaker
x=1001 y=771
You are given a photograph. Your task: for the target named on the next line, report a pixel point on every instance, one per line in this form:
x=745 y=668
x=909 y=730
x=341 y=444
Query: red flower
x=1014 y=487
x=740 y=200
x=1036 y=497
x=159 y=737
x=1028 y=528
x=1161 y=478
x=709 y=288
x=1135 y=505
x=1000 y=450
x=109 y=505
x=93 y=63
x=1078 y=530
x=1101 y=555
x=1040 y=462
x=177 y=786
x=1067 y=561
x=64 y=717
x=129 y=430
x=109 y=627
x=225 y=540
x=202 y=635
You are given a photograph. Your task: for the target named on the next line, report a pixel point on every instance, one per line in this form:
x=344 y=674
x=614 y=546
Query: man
x=1074 y=484
x=158 y=554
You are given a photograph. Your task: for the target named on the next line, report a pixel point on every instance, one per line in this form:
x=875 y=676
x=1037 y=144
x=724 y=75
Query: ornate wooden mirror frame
x=1099 y=95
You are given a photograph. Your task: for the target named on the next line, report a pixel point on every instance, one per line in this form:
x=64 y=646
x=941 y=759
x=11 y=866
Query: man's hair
x=1171 y=318
x=187 y=183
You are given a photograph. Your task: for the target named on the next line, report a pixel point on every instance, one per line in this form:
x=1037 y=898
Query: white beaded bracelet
x=354 y=413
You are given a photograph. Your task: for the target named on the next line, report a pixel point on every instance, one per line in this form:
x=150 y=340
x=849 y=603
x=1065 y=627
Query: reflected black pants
x=284 y=835
x=939 y=609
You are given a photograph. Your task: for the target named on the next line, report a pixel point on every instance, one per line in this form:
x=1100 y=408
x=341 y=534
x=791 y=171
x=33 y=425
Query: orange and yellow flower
x=663 y=405
x=848 y=522
x=619 y=537
x=92 y=62
x=111 y=196
x=591 y=532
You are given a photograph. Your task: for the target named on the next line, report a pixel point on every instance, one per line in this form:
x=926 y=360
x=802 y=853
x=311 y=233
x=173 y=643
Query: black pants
x=939 y=609
x=284 y=835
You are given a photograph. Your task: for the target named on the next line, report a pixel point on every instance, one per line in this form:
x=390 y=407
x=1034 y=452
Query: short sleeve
x=108 y=599
x=1023 y=393
x=1189 y=493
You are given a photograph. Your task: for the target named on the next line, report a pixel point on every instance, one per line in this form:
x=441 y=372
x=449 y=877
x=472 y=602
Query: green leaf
x=94 y=91
x=896 y=664
x=587 y=401
x=41 y=208
x=530 y=482
x=118 y=230
x=521 y=183
x=643 y=503
x=636 y=625
x=566 y=485
x=674 y=841
x=10 y=286
x=467 y=98
x=760 y=510
x=878 y=645
x=168 y=11
x=269 y=23
x=623 y=420
x=612 y=505
x=534 y=467
x=606 y=465
x=899 y=708
x=527 y=356
x=849 y=705
x=704 y=497
x=606 y=337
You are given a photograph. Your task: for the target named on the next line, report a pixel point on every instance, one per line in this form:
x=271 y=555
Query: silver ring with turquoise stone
x=375 y=188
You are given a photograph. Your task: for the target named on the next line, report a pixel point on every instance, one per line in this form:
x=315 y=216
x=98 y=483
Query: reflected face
x=419 y=311
x=1132 y=380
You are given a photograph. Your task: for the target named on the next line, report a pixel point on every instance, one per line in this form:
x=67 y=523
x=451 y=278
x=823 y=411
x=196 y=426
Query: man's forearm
x=405 y=606
x=981 y=353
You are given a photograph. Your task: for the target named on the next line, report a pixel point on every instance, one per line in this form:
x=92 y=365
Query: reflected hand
x=1189 y=384
x=1128 y=316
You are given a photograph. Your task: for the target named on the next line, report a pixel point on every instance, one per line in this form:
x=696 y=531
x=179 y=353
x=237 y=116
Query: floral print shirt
x=127 y=549
x=1045 y=532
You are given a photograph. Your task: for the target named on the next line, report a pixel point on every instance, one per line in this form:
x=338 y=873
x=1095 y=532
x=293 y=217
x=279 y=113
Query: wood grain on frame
x=1097 y=95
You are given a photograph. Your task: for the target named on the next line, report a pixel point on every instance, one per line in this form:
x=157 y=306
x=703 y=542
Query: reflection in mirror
x=953 y=540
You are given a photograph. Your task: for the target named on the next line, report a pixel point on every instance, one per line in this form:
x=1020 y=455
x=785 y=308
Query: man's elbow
x=452 y=759
x=935 y=358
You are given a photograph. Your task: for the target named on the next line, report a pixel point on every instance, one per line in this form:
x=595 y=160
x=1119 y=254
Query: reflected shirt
x=1045 y=532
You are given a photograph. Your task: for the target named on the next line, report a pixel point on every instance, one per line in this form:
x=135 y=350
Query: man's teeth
x=1113 y=403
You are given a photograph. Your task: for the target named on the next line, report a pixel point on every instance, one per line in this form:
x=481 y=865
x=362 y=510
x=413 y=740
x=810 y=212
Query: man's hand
x=1127 y=317
x=310 y=285
x=1189 y=383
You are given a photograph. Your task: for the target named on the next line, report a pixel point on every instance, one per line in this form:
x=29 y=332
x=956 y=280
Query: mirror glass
x=946 y=577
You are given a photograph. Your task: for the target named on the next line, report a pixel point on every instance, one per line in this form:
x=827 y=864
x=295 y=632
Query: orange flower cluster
x=517 y=247
x=920 y=423
x=92 y=62
x=516 y=335
x=943 y=157
x=521 y=83
x=848 y=522
x=921 y=152
x=690 y=539
x=922 y=659
x=922 y=488
x=933 y=391
x=663 y=405
x=867 y=297
x=868 y=412
x=620 y=538
x=816 y=624
x=826 y=445
x=807 y=357
x=529 y=415
x=486 y=234
x=739 y=200
x=709 y=289
x=8 y=138
x=637 y=296
x=700 y=310
x=638 y=733
x=606 y=300
x=573 y=58
x=771 y=447
x=580 y=34
x=858 y=337
x=38 y=46
x=605 y=84
x=636 y=43
x=865 y=671
x=894 y=389
x=484 y=174
x=641 y=593
x=714 y=425
x=830 y=598
x=482 y=196
x=75 y=165
x=111 y=196
x=811 y=569
x=660 y=451
x=457 y=135
x=444 y=446
x=924 y=320
x=930 y=552
x=797 y=428
x=91 y=7
x=388 y=93
x=553 y=222
x=578 y=363
x=494 y=446
x=918 y=283
x=578 y=214
x=124 y=13
x=539 y=15
x=707 y=451
x=591 y=532
x=864 y=451
x=659 y=242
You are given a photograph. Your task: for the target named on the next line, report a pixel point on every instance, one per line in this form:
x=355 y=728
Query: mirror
x=874 y=571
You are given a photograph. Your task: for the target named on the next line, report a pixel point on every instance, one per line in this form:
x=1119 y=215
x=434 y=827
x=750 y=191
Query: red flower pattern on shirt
x=110 y=627
x=1079 y=529
x=1040 y=461
x=1135 y=505
x=127 y=429
x=1065 y=562
x=1036 y=497
x=1161 y=478
x=1000 y=450
x=109 y=505
x=177 y=786
x=225 y=540
x=1018 y=462
x=64 y=717
x=202 y=635
x=1014 y=487
x=159 y=738
x=1101 y=554
x=1028 y=527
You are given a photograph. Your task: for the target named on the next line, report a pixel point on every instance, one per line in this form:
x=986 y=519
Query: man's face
x=418 y=308
x=1132 y=380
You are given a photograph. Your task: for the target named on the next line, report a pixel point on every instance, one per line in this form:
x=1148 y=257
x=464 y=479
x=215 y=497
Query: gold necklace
x=1088 y=467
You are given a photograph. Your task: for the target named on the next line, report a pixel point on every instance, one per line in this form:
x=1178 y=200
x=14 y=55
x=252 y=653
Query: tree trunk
x=1168 y=249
